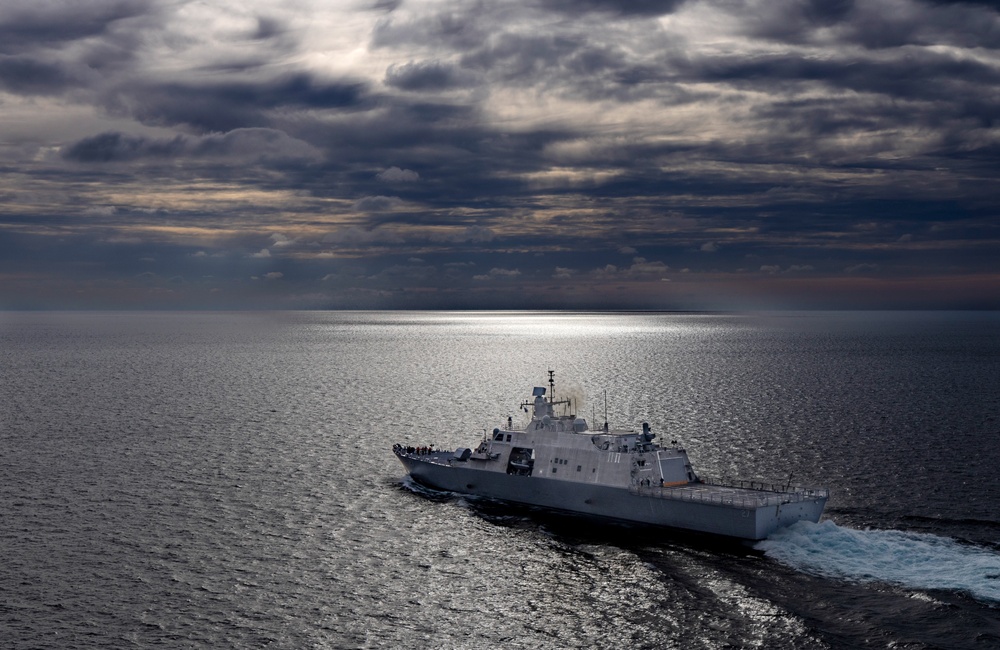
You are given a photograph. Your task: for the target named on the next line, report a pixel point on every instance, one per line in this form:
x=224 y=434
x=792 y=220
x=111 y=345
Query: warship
x=557 y=462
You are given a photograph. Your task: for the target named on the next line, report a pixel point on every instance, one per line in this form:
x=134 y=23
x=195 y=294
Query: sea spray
x=910 y=560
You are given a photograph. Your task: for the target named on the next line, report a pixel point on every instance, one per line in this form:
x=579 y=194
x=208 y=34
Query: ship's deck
x=738 y=494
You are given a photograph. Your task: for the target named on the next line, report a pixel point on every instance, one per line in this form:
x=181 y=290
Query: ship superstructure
x=556 y=461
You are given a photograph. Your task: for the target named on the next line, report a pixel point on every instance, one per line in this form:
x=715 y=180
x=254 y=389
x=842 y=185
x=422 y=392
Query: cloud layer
x=660 y=154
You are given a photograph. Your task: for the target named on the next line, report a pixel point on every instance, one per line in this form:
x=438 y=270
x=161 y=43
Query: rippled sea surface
x=226 y=480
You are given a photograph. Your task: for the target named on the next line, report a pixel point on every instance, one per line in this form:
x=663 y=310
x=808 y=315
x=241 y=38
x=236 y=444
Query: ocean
x=213 y=480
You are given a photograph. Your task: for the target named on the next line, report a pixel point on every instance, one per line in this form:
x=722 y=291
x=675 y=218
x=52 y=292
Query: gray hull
x=749 y=514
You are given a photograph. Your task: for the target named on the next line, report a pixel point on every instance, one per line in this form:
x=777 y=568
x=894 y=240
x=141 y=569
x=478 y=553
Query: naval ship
x=557 y=462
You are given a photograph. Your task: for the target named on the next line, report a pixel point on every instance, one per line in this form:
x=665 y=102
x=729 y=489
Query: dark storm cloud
x=28 y=76
x=456 y=153
x=31 y=24
x=826 y=12
x=907 y=76
x=246 y=144
x=116 y=147
x=873 y=25
x=793 y=20
x=227 y=105
x=950 y=82
x=641 y=8
x=958 y=25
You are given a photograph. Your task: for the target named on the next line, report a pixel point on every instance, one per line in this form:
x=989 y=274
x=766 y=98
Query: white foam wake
x=913 y=560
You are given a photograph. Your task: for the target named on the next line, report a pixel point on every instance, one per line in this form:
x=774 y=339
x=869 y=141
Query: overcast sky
x=648 y=154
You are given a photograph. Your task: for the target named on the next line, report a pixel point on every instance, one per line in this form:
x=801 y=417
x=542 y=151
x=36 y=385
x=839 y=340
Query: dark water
x=225 y=480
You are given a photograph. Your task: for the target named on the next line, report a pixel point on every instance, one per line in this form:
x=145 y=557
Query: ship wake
x=916 y=561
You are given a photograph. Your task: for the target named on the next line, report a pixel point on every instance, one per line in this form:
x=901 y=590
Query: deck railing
x=736 y=493
x=766 y=486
